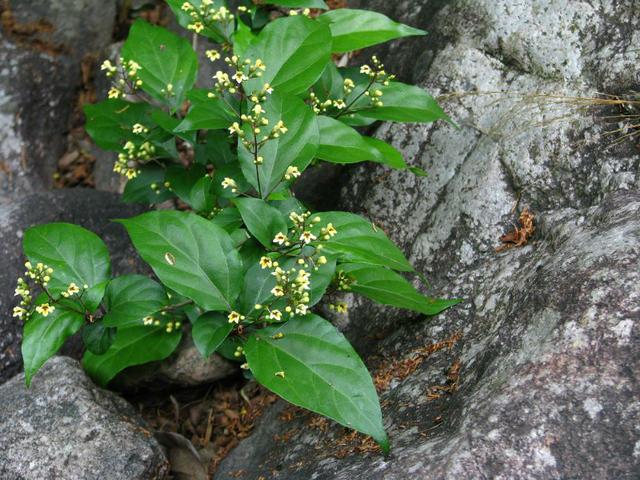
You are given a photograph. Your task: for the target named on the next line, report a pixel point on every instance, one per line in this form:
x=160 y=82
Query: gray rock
x=548 y=355
x=88 y=208
x=66 y=427
x=183 y=369
x=42 y=46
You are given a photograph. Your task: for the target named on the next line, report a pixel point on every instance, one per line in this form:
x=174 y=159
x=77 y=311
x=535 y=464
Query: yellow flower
x=196 y=27
x=292 y=172
x=45 y=309
x=229 y=183
x=213 y=55
x=19 y=312
x=280 y=238
x=114 y=93
x=265 y=262
x=275 y=314
x=235 y=317
x=277 y=291
x=307 y=237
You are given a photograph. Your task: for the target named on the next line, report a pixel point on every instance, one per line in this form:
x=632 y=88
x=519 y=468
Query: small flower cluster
x=293 y=284
x=151 y=321
x=72 y=290
x=339 y=307
x=243 y=70
x=127 y=161
x=41 y=275
x=377 y=75
x=206 y=15
x=125 y=77
x=342 y=281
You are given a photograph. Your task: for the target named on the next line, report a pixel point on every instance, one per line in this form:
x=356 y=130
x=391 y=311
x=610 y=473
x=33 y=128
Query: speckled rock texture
x=543 y=379
x=42 y=46
x=64 y=427
x=88 y=208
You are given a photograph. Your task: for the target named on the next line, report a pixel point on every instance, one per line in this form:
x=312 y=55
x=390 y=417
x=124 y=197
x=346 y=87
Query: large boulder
x=43 y=45
x=88 y=208
x=535 y=374
x=64 y=426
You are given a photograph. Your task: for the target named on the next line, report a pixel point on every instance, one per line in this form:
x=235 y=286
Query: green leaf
x=206 y=113
x=387 y=287
x=242 y=38
x=229 y=219
x=134 y=345
x=193 y=186
x=75 y=254
x=296 y=147
x=262 y=220
x=418 y=172
x=330 y=84
x=385 y=153
x=216 y=150
x=130 y=298
x=403 y=103
x=97 y=337
x=209 y=331
x=298 y=3
x=168 y=124
x=110 y=123
x=357 y=29
x=314 y=366
x=189 y=254
x=183 y=18
x=43 y=337
x=358 y=240
x=258 y=283
x=339 y=143
x=165 y=59
x=138 y=189
x=295 y=51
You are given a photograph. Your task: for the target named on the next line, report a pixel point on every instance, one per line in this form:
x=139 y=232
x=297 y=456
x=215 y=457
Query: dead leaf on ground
x=519 y=236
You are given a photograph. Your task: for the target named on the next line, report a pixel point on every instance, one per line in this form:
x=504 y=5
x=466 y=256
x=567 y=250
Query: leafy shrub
x=247 y=263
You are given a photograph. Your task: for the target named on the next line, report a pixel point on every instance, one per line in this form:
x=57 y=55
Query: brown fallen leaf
x=519 y=236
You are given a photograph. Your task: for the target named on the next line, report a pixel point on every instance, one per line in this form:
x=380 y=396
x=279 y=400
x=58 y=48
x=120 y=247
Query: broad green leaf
x=229 y=219
x=403 y=103
x=296 y=147
x=262 y=220
x=330 y=84
x=216 y=149
x=387 y=287
x=357 y=29
x=189 y=254
x=242 y=38
x=298 y=3
x=339 y=143
x=97 y=337
x=110 y=123
x=134 y=345
x=130 y=298
x=169 y=123
x=193 y=186
x=385 y=153
x=258 y=283
x=358 y=240
x=206 y=113
x=43 y=337
x=313 y=366
x=165 y=59
x=209 y=331
x=295 y=51
x=213 y=32
x=75 y=254
x=138 y=189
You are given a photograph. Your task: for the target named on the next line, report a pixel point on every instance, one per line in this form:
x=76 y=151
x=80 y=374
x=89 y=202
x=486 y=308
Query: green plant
x=248 y=262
